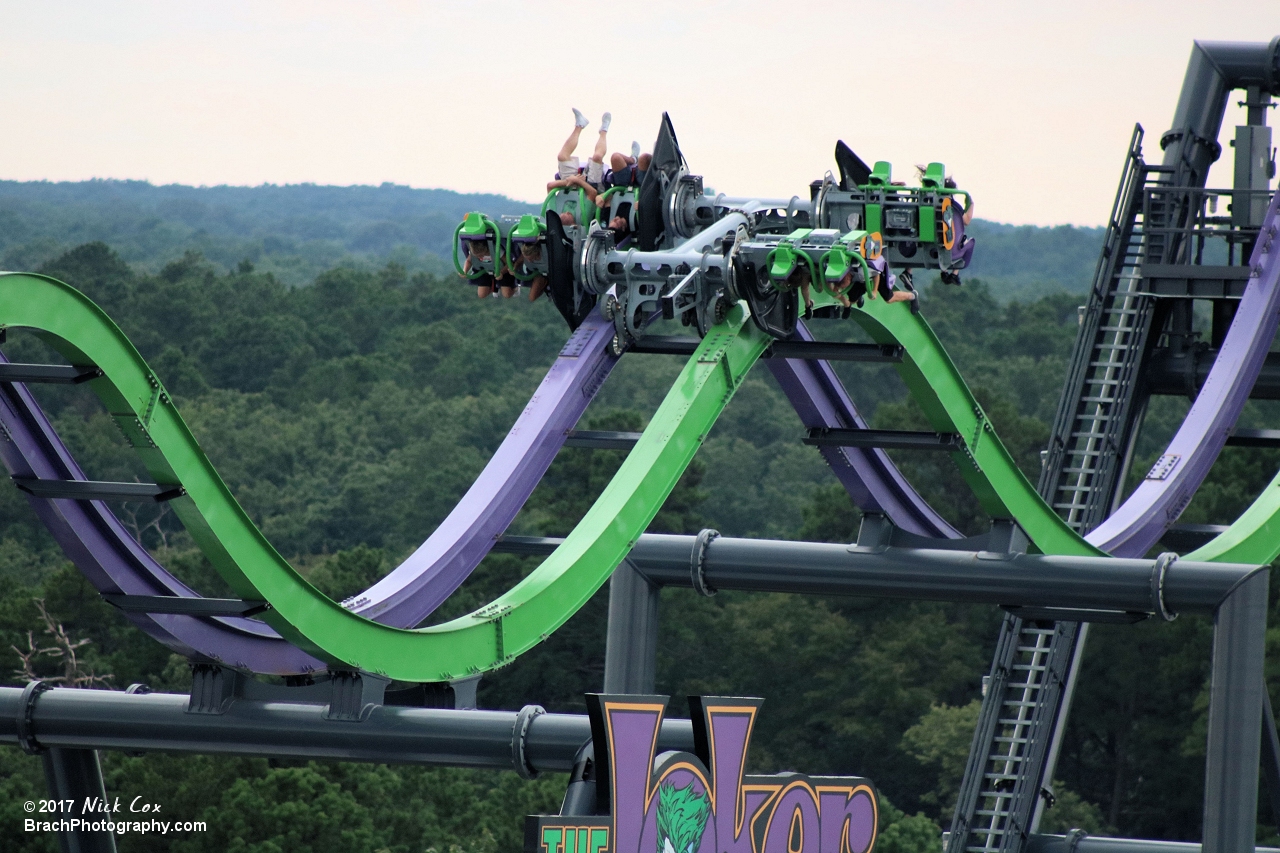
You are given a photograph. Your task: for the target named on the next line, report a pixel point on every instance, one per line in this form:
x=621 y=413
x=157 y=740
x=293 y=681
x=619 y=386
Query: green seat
x=934 y=177
x=476 y=226
x=569 y=200
x=836 y=263
x=783 y=262
x=529 y=228
x=613 y=200
x=881 y=174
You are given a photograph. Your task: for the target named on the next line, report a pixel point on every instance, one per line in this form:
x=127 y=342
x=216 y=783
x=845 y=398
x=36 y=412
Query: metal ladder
x=1002 y=783
x=1092 y=428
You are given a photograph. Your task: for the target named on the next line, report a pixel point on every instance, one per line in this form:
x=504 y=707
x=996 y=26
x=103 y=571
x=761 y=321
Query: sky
x=1029 y=104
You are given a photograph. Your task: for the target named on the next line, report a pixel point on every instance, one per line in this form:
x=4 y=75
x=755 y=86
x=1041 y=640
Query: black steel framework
x=1151 y=266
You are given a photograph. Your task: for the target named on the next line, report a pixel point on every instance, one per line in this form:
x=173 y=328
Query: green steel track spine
x=483 y=640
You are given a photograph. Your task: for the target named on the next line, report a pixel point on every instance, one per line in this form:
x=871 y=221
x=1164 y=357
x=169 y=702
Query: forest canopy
x=350 y=402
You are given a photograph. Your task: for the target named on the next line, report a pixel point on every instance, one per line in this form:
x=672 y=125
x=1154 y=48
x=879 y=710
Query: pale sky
x=1029 y=104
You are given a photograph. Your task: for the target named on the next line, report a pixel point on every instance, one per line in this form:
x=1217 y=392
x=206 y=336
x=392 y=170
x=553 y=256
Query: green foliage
x=21 y=780
x=941 y=741
x=843 y=678
x=254 y=805
x=902 y=833
x=1130 y=744
x=349 y=572
x=348 y=417
x=1070 y=812
x=830 y=516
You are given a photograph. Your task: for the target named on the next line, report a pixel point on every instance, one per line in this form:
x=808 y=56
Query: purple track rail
x=100 y=546
x=1159 y=499
x=417 y=586
x=95 y=540
x=870 y=477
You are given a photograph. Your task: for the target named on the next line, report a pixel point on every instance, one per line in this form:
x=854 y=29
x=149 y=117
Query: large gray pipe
x=105 y=719
x=1084 y=583
x=1215 y=68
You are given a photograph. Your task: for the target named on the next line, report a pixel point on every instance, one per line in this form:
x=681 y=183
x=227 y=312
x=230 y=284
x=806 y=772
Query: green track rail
x=483 y=640
x=986 y=465
x=528 y=613
x=1254 y=537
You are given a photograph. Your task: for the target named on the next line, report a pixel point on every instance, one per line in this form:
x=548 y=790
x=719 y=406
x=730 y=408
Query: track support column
x=74 y=774
x=631 y=644
x=1235 y=709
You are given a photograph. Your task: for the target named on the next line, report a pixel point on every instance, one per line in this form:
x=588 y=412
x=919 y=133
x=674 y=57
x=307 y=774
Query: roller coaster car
x=921 y=226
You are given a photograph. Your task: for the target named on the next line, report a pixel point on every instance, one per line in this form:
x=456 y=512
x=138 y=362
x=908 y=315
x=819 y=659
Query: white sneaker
x=579 y=119
x=604 y=122
x=635 y=150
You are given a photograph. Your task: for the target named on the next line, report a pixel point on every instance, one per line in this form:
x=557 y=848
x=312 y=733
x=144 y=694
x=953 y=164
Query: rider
x=963 y=252
x=627 y=171
x=531 y=253
x=569 y=172
x=800 y=278
x=480 y=251
x=884 y=284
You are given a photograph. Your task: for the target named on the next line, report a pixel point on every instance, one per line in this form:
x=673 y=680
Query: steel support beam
x=825 y=350
x=1078 y=842
x=64 y=718
x=58 y=374
x=185 y=606
x=1182 y=373
x=1254 y=438
x=1077 y=583
x=631 y=644
x=1271 y=757
x=1235 y=709
x=836 y=351
x=74 y=774
x=95 y=490
x=1106 y=585
x=885 y=439
x=601 y=439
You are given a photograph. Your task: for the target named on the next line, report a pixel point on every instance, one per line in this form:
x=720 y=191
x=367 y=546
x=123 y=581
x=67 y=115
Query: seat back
x=570 y=200
x=881 y=174
x=934 y=177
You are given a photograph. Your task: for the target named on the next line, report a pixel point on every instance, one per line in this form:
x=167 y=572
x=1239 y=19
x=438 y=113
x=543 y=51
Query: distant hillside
x=1024 y=262
x=294 y=231
x=298 y=231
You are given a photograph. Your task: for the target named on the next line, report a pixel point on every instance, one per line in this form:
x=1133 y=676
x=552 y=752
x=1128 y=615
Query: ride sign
x=676 y=802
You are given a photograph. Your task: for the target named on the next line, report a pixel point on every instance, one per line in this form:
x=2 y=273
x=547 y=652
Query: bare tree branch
x=63 y=649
